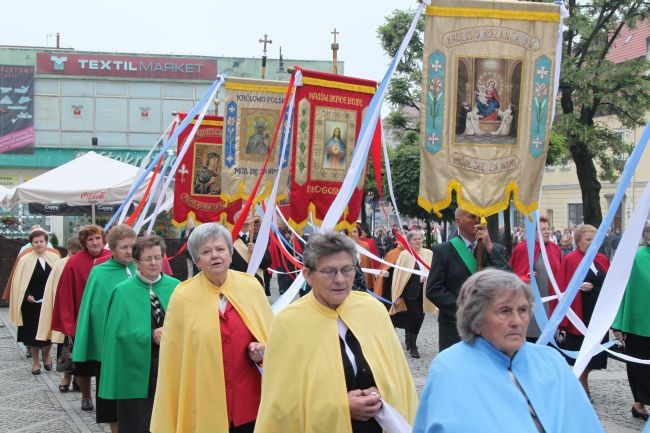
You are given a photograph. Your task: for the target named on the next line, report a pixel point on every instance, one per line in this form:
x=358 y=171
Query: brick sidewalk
x=33 y=404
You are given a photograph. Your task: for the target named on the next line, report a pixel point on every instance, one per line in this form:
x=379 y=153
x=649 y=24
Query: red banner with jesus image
x=197 y=186
x=328 y=114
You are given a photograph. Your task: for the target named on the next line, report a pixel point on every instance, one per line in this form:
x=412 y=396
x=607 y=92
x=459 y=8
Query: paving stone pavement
x=33 y=404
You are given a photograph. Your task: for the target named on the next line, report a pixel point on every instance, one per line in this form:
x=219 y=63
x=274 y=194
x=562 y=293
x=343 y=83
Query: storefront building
x=58 y=104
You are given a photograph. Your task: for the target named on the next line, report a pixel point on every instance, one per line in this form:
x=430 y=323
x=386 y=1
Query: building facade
x=56 y=104
x=561 y=195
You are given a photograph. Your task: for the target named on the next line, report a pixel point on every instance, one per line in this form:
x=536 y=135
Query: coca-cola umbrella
x=3 y=193
x=90 y=179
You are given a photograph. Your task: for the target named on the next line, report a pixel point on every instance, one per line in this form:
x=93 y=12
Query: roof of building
x=631 y=43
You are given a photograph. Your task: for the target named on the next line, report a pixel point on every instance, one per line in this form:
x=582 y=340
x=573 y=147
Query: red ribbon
x=247 y=207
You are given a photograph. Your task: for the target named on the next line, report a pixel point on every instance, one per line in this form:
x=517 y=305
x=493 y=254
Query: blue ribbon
x=578 y=277
x=376 y=296
x=277 y=232
x=180 y=128
x=370 y=122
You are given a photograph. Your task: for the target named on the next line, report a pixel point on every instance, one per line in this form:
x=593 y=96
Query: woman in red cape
x=585 y=301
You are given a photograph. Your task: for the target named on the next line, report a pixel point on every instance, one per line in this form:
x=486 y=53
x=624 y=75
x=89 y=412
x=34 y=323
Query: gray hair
x=325 y=244
x=205 y=233
x=149 y=241
x=478 y=292
x=412 y=233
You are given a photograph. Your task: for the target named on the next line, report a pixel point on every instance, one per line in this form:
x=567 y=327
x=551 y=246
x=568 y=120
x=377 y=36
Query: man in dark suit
x=243 y=249
x=454 y=262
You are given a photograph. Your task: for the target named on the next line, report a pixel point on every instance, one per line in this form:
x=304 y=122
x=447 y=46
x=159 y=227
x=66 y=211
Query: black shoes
x=637 y=414
x=87 y=404
x=412 y=346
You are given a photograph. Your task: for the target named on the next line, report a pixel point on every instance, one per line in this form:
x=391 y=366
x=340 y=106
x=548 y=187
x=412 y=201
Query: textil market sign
x=107 y=65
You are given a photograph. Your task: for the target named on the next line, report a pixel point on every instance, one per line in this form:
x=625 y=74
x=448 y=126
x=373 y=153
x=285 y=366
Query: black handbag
x=64 y=357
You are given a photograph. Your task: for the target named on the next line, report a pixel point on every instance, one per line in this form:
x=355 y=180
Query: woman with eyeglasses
x=333 y=361
x=408 y=292
x=215 y=329
x=134 y=320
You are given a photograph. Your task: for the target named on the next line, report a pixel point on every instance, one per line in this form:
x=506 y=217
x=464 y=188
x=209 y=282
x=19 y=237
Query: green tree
x=404 y=92
x=591 y=86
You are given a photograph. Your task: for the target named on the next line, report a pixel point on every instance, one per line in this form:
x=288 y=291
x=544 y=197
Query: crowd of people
x=566 y=239
x=207 y=353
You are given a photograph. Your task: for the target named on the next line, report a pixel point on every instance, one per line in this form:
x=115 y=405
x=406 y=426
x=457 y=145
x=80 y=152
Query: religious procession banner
x=487 y=99
x=328 y=114
x=253 y=109
x=198 y=180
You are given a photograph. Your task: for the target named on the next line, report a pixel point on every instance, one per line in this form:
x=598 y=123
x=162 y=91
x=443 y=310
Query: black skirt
x=573 y=342
x=638 y=375
x=31 y=311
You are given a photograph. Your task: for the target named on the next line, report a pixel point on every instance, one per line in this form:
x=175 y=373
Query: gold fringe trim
x=180 y=224
x=339 y=85
x=256 y=87
x=209 y=122
x=455 y=185
x=503 y=14
x=299 y=226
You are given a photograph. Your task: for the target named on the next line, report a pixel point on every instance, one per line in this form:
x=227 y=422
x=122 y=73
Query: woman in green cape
x=132 y=336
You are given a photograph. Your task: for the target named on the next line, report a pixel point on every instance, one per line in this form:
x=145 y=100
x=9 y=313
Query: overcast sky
x=209 y=27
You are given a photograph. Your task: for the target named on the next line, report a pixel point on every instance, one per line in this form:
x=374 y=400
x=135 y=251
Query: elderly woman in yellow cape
x=333 y=362
x=215 y=328
x=27 y=288
x=408 y=297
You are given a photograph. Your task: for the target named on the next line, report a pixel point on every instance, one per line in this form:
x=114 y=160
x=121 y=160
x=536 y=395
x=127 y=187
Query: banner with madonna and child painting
x=487 y=99
x=328 y=114
x=198 y=180
x=252 y=113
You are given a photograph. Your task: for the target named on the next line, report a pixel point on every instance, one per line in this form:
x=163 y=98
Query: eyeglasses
x=150 y=259
x=329 y=273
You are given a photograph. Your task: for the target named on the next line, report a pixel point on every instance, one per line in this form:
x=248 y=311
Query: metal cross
x=265 y=41
x=335 y=33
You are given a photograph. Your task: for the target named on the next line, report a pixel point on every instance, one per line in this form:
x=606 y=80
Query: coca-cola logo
x=99 y=195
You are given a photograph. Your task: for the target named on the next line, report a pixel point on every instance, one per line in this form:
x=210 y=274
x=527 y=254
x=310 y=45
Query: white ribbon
x=143 y=165
x=614 y=286
x=358 y=158
x=390 y=420
x=186 y=144
x=262 y=240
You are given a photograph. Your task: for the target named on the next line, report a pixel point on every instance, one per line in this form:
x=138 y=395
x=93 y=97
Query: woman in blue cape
x=493 y=381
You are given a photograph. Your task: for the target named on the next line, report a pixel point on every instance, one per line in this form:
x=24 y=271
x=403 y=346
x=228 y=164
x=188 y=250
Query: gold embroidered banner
x=487 y=100
x=252 y=113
